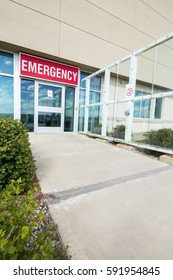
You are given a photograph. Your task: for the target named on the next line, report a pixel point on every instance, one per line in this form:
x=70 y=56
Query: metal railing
x=129 y=99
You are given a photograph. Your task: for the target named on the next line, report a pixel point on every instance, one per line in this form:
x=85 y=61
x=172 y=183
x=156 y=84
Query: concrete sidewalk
x=110 y=203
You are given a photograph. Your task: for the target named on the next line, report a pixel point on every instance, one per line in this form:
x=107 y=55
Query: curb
x=166 y=159
x=126 y=147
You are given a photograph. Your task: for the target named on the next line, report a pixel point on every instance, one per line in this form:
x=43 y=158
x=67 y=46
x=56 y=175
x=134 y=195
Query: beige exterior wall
x=92 y=33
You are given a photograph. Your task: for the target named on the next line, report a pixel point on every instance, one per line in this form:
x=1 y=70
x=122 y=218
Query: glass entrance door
x=49 y=108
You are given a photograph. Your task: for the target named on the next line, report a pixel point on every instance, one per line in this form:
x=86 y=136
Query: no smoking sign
x=130 y=91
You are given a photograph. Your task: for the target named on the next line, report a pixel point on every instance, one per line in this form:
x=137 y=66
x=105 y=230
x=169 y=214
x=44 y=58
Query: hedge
x=16 y=159
x=161 y=138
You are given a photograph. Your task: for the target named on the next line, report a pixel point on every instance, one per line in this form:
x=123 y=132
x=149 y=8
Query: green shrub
x=16 y=160
x=162 y=138
x=97 y=128
x=24 y=233
x=119 y=131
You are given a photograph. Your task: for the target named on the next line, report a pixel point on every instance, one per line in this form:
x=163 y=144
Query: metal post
x=86 y=105
x=105 y=101
x=130 y=103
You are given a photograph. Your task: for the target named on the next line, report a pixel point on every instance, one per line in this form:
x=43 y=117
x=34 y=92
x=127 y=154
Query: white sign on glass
x=50 y=93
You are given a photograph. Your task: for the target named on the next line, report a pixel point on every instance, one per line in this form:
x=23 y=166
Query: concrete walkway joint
x=109 y=203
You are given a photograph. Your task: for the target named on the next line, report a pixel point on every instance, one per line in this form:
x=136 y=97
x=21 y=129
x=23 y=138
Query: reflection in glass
x=6 y=97
x=94 y=97
x=95 y=82
x=82 y=76
x=158 y=108
x=6 y=63
x=49 y=96
x=46 y=119
x=81 y=119
x=69 y=109
x=95 y=93
x=82 y=93
x=27 y=103
x=93 y=120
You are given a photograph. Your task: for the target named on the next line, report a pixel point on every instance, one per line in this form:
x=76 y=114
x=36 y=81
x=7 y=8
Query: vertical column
x=86 y=105
x=130 y=103
x=105 y=101
x=17 y=98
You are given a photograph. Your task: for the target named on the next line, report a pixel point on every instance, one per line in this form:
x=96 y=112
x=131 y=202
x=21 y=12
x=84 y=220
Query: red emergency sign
x=39 y=68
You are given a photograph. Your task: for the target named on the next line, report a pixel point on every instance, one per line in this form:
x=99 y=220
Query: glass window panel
x=97 y=97
x=82 y=97
x=6 y=63
x=6 y=97
x=141 y=107
x=90 y=118
x=27 y=103
x=81 y=119
x=94 y=97
x=91 y=97
x=69 y=109
x=47 y=119
x=136 y=109
x=82 y=93
x=82 y=76
x=49 y=96
x=158 y=108
x=145 y=109
x=93 y=120
x=81 y=110
x=95 y=83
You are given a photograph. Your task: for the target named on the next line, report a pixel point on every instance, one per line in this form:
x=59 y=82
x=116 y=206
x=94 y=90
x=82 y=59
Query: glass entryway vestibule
x=47 y=107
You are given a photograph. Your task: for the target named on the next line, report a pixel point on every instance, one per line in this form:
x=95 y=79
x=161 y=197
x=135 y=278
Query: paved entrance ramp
x=109 y=203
